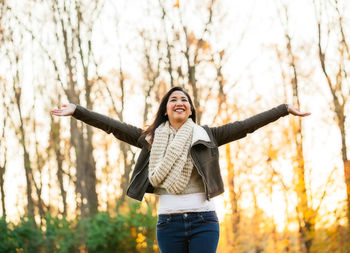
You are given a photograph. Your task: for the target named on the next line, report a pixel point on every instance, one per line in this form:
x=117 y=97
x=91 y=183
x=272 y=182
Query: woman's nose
x=178 y=102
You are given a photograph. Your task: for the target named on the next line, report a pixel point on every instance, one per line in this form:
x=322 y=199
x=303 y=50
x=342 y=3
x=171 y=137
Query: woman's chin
x=180 y=119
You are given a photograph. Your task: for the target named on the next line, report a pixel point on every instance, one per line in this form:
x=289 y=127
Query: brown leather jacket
x=204 y=149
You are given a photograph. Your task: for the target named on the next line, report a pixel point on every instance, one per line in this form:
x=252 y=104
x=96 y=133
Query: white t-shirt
x=193 y=202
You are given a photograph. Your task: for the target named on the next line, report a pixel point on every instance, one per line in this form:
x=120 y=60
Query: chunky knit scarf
x=170 y=165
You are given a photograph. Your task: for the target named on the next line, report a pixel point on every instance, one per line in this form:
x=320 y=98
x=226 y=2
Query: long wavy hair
x=161 y=117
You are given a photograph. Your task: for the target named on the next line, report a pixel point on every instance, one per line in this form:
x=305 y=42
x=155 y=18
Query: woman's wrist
x=287 y=107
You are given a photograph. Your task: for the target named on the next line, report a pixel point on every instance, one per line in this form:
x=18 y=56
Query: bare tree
x=336 y=78
x=3 y=153
x=21 y=116
x=305 y=213
x=55 y=140
x=3 y=148
x=73 y=36
x=225 y=110
x=16 y=100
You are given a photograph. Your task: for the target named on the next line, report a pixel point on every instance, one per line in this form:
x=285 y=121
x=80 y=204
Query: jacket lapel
x=199 y=135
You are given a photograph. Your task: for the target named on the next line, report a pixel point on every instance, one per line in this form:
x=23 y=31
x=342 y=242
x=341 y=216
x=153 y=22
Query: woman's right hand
x=66 y=110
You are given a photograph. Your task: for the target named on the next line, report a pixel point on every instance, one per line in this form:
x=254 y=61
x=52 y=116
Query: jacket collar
x=199 y=135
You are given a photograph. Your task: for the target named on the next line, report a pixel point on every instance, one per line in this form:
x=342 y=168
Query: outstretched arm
x=122 y=131
x=239 y=129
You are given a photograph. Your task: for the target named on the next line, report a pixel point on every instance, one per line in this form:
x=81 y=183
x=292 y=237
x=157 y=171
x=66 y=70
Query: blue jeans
x=196 y=232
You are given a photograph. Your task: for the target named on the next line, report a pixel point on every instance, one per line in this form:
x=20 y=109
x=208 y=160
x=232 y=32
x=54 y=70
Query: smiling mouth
x=179 y=110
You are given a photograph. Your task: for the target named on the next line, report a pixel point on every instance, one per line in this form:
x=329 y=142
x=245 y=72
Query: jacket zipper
x=203 y=178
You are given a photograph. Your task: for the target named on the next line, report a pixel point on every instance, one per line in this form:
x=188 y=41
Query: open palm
x=296 y=112
x=66 y=110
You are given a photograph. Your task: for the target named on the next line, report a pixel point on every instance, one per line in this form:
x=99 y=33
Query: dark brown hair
x=161 y=117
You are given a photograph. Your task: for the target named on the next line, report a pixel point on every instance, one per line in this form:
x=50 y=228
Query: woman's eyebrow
x=176 y=97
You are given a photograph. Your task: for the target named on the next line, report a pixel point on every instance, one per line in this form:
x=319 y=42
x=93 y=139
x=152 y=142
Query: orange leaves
x=205 y=46
x=201 y=44
x=347 y=178
x=347 y=171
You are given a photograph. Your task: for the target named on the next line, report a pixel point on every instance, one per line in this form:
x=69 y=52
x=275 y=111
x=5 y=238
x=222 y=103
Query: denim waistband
x=176 y=216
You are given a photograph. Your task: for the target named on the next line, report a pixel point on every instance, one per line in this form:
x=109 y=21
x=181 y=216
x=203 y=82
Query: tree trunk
x=55 y=144
x=305 y=214
x=2 y=192
x=233 y=196
x=337 y=87
x=70 y=35
x=3 y=165
x=26 y=159
x=308 y=224
x=28 y=174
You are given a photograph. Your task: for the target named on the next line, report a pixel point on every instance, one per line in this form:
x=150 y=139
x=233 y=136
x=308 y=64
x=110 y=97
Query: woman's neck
x=176 y=125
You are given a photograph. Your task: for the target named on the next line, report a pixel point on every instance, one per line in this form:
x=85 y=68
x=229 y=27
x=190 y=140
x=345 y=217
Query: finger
x=303 y=114
x=299 y=113
x=56 y=111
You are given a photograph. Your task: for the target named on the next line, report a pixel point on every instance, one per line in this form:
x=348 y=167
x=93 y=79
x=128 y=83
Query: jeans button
x=185 y=215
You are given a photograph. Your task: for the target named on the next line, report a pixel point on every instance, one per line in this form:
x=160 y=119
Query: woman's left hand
x=296 y=112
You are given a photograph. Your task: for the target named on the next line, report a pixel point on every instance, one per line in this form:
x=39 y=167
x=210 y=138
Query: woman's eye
x=174 y=100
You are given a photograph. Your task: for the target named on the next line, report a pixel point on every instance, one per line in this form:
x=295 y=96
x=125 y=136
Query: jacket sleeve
x=239 y=129
x=122 y=131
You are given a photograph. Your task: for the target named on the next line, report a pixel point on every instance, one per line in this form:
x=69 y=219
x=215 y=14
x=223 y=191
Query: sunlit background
x=287 y=186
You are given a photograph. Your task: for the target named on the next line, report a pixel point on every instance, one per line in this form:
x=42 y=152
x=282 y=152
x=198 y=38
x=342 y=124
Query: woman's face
x=178 y=108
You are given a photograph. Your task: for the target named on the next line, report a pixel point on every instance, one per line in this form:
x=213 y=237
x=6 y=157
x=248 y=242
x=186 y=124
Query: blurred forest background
x=63 y=184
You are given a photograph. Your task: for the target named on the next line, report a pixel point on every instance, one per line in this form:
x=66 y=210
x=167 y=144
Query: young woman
x=179 y=161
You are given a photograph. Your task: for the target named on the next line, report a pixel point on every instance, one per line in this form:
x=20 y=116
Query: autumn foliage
x=63 y=184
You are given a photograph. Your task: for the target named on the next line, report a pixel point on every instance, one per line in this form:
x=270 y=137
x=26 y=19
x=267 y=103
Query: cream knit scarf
x=170 y=165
